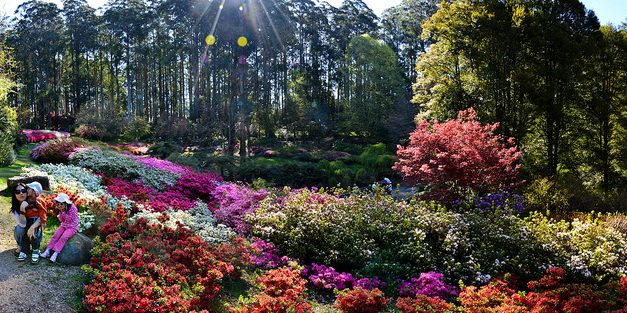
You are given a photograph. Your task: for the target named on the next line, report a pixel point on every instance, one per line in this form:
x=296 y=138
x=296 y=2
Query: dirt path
x=45 y=287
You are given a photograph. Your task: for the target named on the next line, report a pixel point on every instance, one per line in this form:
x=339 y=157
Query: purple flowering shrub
x=502 y=202
x=326 y=277
x=266 y=255
x=429 y=284
x=234 y=202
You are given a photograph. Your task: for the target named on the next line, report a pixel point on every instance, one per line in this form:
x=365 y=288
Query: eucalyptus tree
x=127 y=20
x=81 y=37
x=402 y=30
x=37 y=39
x=375 y=84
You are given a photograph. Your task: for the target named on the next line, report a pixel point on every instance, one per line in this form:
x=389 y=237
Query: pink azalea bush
x=198 y=186
x=234 y=202
x=43 y=135
x=163 y=165
x=266 y=255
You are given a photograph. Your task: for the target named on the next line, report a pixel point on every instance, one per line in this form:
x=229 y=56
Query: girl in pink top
x=68 y=216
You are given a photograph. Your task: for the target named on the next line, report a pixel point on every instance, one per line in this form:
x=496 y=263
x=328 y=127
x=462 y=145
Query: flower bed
x=173 y=241
x=43 y=135
x=142 y=267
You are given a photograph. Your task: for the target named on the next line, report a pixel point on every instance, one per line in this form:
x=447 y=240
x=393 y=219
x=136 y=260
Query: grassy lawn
x=23 y=159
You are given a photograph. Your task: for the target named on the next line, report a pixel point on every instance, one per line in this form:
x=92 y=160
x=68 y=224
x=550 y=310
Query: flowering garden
x=171 y=239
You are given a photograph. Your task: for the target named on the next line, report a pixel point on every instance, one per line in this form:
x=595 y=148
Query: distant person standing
x=68 y=216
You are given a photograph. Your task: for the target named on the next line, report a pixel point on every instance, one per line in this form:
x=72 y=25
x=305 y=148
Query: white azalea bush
x=199 y=219
x=588 y=246
x=377 y=236
x=86 y=221
x=71 y=177
x=113 y=164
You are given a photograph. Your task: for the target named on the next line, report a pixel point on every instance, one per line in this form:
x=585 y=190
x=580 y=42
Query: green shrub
x=137 y=129
x=8 y=131
x=374 y=234
x=164 y=149
x=104 y=127
x=588 y=246
x=543 y=194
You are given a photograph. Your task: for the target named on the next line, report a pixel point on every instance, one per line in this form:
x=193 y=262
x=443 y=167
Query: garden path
x=44 y=287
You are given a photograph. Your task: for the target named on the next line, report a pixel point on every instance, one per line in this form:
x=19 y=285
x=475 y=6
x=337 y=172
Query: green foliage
x=587 y=246
x=8 y=130
x=303 y=169
x=374 y=85
x=136 y=129
x=92 y=125
x=377 y=235
x=544 y=193
x=163 y=149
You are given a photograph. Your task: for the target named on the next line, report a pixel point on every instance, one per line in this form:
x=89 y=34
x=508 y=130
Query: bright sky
x=608 y=11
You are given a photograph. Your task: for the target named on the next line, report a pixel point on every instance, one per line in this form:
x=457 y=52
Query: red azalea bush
x=423 y=304
x=282 y=291
x=459 y=154
x=360 y=300
x=550 y=294
x=496 y=297
x=149 y=268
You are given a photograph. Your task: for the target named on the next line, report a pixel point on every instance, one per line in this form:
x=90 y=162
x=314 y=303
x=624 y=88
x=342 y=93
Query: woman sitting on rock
x=68 y=216
x=19 y=195
x=31 y=216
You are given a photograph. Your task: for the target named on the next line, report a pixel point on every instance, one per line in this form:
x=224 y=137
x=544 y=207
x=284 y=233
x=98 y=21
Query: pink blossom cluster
x=234 y=202
x=43 y=135
x=429 y=284
x=163 y=165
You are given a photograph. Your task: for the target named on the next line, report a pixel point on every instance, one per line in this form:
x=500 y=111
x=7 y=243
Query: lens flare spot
x=210 y=40
x=241 y=8
x=242 y=41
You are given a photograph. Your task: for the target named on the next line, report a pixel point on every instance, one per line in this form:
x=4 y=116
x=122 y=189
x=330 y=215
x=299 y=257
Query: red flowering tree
x=459 y=155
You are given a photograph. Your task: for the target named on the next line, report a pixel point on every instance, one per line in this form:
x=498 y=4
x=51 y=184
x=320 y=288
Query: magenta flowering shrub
x=198 y=186
x=429 y=284
x=266 y=255
x=326 y=277
x=234 y=202
x=170 y=199
x=135 y=191
x=158 y=201
x=163 y=165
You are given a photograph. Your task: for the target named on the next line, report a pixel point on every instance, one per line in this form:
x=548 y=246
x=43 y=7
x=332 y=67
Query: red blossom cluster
x=423 y=304
x=550 y=294
x=282 y=291
x=149 y=268
x=360 y=300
